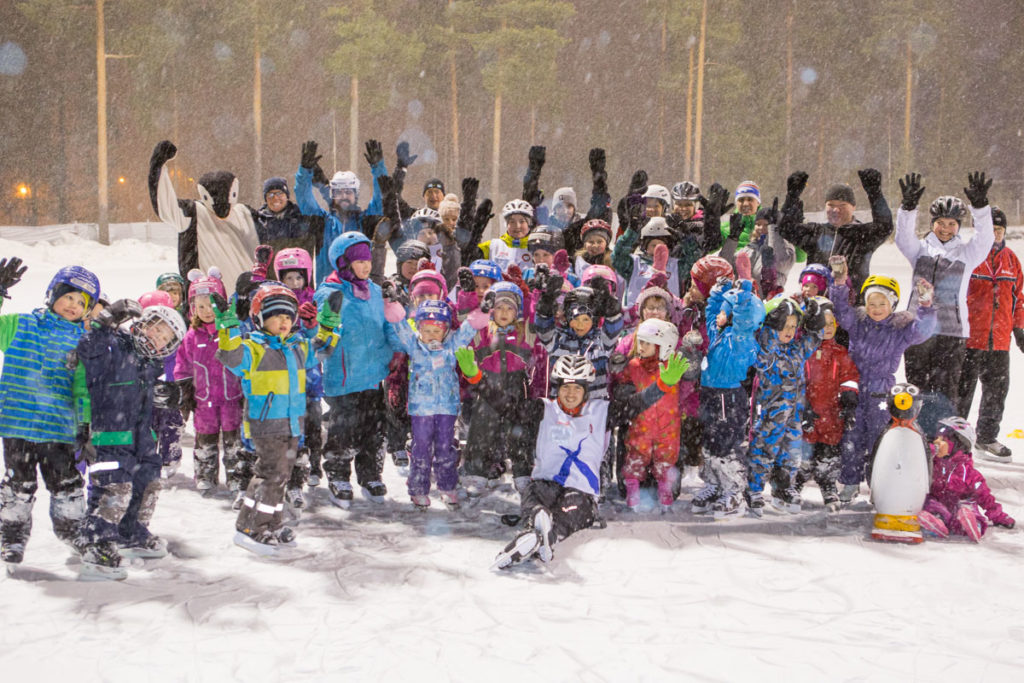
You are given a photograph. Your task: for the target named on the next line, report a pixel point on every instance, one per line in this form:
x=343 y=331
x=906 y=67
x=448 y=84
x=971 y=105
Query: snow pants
x=935 y=365
x=312 y=446
x=493 y=437
x=647 y=453
x=571 y=509
x=124 y=484
x=993 y=369
x=776 y=444
x=355 y=432
x=262 y=506
x=433 y=446
x=822 y=466
x=872 y=419
x=56 y=462
x=168 y=426
x=690 y=434
x=237 y=463
x=723 y=413
x=949 y=517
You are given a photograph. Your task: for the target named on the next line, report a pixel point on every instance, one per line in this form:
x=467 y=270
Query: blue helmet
x=342 y=242
x=78 y=279
x=505 y=290
x=485 y=268
x=436 y=311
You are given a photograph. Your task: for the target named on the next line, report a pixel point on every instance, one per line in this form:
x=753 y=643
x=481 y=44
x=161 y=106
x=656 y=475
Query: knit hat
x=360 y=251
x=892 y=296
x=815 y=277
x=565 y=195
x=840 y=192
x=433 y=183
x=449 y=203
x=748 y=188
x=649 y=292
x=275 y=183
x=277 y=305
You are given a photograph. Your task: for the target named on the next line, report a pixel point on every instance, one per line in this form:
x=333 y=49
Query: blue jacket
x=334 y=223
x=35 y=387
x=433 y=380
x=366 y=341
x=780 y=367
x=733 y=348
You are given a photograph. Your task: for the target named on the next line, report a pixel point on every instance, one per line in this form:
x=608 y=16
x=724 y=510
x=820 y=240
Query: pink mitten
x=743 y=266
x=394 y=312
x=478 y=319
x=660 y=257
x=562 y=262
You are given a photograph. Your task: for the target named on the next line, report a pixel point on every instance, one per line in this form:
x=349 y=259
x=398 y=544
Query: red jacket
x=829 y=371
x=994 y=300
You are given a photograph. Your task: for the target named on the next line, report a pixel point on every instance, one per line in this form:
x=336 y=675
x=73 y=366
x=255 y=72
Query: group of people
x=591 y=356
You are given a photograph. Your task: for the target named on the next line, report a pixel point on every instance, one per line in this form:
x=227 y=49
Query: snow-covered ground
x=385 y=593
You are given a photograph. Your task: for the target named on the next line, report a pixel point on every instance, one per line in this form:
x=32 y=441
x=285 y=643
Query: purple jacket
x=877 y=347
x=213 y=382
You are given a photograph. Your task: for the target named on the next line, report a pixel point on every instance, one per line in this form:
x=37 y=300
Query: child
x=734 y=314
x=776 y=434
x=272 y=364
x=474 y=282
x=815 y=279
x=878 y=338
x=36 y=416
x=512 y=248
x=638 y=268
x=561 y=498
x=210 y=392
x=116 y=372
x=596 y=235
x=652 y=446
x=175 y=285
x=830 y=412
x=167 y=421
x=958 y=490
x=434 y=397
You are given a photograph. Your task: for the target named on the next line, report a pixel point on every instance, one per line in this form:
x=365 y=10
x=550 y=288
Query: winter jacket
x=662 y=418
x=687 y=389
x=506 y=251
x=289 y=228
x=856 y=241
x=197 y=359
x=954 y=479
x=35 y=387
x=780 y=367
x=367 y=340
x=273 y=374
x=994 y=300
x=433 y=380
x=334 y=223
x=732 y=349
x=877 y=347
x=637 y=269
x=783 y=259
x=946 y=265
x=829 y=371
x=512 y=357
x=596 y=346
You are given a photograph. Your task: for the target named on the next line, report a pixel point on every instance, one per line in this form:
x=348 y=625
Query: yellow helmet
x=884 y=284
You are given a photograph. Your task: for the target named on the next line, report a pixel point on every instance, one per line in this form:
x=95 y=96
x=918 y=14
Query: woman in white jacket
x=946 y=261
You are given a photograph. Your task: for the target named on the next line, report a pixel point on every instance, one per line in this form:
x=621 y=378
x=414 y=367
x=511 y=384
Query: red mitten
x=561 y=262
x=307 y=314
x=743 y=266
x=264 y=257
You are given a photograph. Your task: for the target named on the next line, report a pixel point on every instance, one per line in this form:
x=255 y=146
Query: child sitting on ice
x=958 y=490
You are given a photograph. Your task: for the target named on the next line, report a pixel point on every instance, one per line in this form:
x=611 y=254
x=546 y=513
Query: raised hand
x=910 y=186
x=871 y=181
x=309 y=156
x=467 y=361
x=223 y=313
x=308 y=314
x=839 y=268
x=405 y=159
x=10 y=274
x=795 y=184
x=673 y=369
x=536 y=157
x=374 y=152
x=638 y=183
x=118 y=312
x=977 y=189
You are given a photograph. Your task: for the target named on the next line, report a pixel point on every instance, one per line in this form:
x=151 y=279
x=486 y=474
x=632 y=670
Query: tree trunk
x=698 y=127
x=353 y=131
x=496 y=152
x=789 y=89
x=907 y=156
x=101 y=124
x=456 y=170
x=257 y=114
x=661 y=92
x=688 y=160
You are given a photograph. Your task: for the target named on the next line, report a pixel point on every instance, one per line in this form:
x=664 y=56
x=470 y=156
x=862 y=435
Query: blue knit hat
x=748 y=188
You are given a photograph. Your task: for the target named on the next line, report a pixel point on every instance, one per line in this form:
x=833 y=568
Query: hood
x=218 y=191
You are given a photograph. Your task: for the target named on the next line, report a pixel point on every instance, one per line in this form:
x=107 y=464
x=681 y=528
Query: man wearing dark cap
x=280 y=223
x=433 y=193
x=842 y=234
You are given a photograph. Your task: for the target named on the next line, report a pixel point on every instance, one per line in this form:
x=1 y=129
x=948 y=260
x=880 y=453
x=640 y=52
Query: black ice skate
x=101 y=562
x=704 y=499
x=994 y=452
x=375 y=491
x=340 y=493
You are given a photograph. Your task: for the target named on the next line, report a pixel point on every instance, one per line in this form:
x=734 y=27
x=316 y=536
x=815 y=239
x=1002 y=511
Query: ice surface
x=394 y=594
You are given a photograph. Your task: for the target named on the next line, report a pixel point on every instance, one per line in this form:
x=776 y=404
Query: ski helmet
x=167 y=278
x=662 y=334
x=961 y=429
x=685 y=192
x=342 y=243
x=344 y=180
x=273 y=299
x=882 y=284
x=777 y=310
x=411 y=250
x=564 y=195
x=590 y=273
x=656 y=229
x=504 y=291
x=948 y=207
x=708 y=270
x=573 y=370
x=434 y=311
x=156 y=298
x=661 y=193
x=598 y=227
x=426 y=216
x=485 y=268
x=152 y=317
x=294 y=258
x=904 y=401
x=518 y=206
x=73 y=278
x=818 y=275
x=204 y=285
x=545 y=238
x=428 y=275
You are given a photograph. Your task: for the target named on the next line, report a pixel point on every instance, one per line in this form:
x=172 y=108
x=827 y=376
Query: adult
x=748 y=201
x=280 y=223
x=946 y=261
x=995 y=310
x=770 y=256
x=344 y=214
x=842 y=234
x=214 y=231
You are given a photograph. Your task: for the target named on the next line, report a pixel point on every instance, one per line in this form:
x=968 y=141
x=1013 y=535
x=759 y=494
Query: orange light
x=121 y=180
x=24 y=191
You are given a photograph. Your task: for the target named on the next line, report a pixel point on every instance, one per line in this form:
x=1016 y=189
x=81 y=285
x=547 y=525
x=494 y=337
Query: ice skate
x=401 y=461
x=522 y=548
x=475 y=486
x=12 y=553
x=848 y=493
x=420 y=502
x=170 y=469
x=932 y=524
x=293 y=497
x=285 y=536
x=542 y=524
x=264 y=546
x=206 y=488
x=691 y=477
x=829 y=497
x=728 y=505
x=152 y=548
x=450 y=499
x=375 y=492
x=994 y=452
x=340 y=493
x=236 y=504
x=704 y=499
x=101 y=562
x=755 y=503
x=787 y=500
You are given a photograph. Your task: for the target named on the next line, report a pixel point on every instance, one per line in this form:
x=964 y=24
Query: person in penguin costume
x=216 y=230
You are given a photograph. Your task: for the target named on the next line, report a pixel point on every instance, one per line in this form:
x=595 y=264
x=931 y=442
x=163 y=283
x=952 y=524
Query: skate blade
x=95 y=572
x=246 y=543
x=379 y=500
x=142 y=553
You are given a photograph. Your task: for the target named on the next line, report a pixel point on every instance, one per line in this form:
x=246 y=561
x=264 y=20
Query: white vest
x=436 y=256
x=505 y=256
x=570 y=449
x=642 y=274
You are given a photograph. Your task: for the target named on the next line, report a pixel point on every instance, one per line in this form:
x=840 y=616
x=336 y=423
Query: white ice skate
x=101 y=562
x=542 y=524
x=522 y=548
x=249 y=543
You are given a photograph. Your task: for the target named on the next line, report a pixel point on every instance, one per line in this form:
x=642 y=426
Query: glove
x=807 y=419
x=483 y=217
x=328 y=316
x=977 y=189
x=163 y=152
x=839 y=269
x=1001 y=519
x=264 y=257
x=467 y=361
x=487 y=305
x=871 y=181
x=795 y=184
x=541 y=275
x=117 y=312
x=308 y=314
x=638 y=183
x=597 y=167
x=562 y=262
x=310 y=158
x=848 y=409
x=536 y=157
x=617 y=362
x=166 y=395
x=470 y=186
x=925 y=292
x=319 y=177
x=223 y=313
x=374 y=152
x=10 y=274
x=1018 y=336
x=717 y=202
x=910 y=186
x=466 y=282
x=405 y=160
x=672 y=370
x=773 y=214
x=186 y=397
x=735 y=226
x=393 y=293
x=814 y=317
x=660 y=261
x=605 y=304
x=546 y=303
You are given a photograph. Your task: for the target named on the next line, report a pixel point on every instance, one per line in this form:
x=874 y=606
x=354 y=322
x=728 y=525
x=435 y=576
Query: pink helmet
x=605 y=272
x=294 y=258
x=429 y=275
x=201 y=284
x=156 y=298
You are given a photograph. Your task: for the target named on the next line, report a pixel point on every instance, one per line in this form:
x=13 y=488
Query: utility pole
x=698 y=129
x=101 y=125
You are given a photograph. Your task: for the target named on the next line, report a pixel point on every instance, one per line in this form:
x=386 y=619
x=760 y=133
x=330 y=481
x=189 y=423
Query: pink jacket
x=212 y=381
x=954 y=480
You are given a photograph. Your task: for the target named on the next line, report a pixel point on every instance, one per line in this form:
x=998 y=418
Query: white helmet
x=661 y=333
x=151 y=317
x=962 y=428
x=345 y=180
x=685 y=191
x=565 y=195
x=661 y=193
x=520 y=206
x=656 y=228
x=427 y=215
x=573 y=370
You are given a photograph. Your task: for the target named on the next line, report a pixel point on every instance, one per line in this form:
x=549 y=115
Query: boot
x=632 y=493
x=521 y=548
x=101 y=561
x=704 y=499
x=994 y=451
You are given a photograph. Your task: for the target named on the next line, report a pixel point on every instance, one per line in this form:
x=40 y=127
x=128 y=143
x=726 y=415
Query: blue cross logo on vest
x=573 y=458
